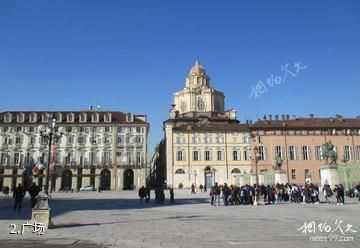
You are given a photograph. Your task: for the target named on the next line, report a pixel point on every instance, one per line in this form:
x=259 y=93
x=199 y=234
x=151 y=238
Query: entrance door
x=105 y=179
x=208 y=179
x=66 y=180
x=128 y=179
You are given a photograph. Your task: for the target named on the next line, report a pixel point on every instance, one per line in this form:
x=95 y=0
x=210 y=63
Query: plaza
x=119 y=219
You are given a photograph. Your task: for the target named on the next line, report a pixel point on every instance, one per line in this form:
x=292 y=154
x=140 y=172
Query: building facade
x=105 y=149
x=204 y=143
x=299 y=141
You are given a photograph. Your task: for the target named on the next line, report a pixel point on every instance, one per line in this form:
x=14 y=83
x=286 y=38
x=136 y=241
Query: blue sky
x=132 y=55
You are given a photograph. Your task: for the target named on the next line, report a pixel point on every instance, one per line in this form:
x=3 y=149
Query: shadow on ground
x=64 y=205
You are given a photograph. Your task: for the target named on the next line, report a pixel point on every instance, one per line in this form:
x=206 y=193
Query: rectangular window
x=81 y=140
x=220 y=155
x=195 y=140
x=16 y=158
x=318 y=152
x=279 y=151
x=262 y=152
x=234 y=140
x=196 y=156
x=207 y=140
x=236 y=155
x=107 y=140
x=107 y=129
x=306 y=153
x=219 y=139
x=68 y=129
x=347 y=153
x=120 y=139
x=293 y=174
x=18 y=129
x=357 y=153
x=93 y=140
x=292 y=152
x=207 y=155
x=18 y=140
x=32 y=140
x=246 y=155
x=179 y=156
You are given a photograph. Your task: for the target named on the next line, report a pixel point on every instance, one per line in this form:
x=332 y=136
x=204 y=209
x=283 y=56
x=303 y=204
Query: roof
x=308 y=123
x=117 y=117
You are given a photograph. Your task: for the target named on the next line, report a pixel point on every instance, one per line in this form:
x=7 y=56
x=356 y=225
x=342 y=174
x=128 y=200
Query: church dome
x=197 y=69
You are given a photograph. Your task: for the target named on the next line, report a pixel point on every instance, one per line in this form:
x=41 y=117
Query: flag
x=29 y=167
x=38 y=166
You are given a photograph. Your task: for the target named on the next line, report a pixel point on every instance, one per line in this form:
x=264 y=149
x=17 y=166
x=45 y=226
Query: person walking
x=358 y=191
x=193 y=189
x=6 y=192
x=142 y=193
x=327 y=193
x=18 y=195
x=218 y=192
x=212 y=196
x=172 y=201
x=33 y=191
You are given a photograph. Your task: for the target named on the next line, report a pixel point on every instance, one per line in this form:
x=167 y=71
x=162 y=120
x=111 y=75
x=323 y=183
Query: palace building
x=299 y=141
x=204 y=143
x=105 y=149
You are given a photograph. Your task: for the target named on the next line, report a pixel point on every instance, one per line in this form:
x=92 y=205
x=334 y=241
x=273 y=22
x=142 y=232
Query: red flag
x=37 y=168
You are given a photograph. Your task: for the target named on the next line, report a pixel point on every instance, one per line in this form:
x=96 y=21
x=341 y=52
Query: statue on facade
x=278 y=162
x=329 y=153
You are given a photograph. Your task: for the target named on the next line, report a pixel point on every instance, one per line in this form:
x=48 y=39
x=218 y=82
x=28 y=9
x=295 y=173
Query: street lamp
x=50 y=134
x=257 y=158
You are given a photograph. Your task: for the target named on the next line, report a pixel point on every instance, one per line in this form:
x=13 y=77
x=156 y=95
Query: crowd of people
x=19 y=193
x=307 y=193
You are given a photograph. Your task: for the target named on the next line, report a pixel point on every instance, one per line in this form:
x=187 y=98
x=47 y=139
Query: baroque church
x=204 y=143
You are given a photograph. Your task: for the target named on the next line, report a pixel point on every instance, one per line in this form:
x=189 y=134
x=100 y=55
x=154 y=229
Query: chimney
x=287 y=117
x=270 y=117
x=283 y=117
x=276 y=117
x=264 y=118
x=250 y=121
x=247 y=121
x=311 y=115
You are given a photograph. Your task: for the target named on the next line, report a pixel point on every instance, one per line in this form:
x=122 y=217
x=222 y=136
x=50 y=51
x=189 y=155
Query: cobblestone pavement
x=118 y=219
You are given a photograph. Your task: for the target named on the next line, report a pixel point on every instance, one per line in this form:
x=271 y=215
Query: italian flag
x=38 y=166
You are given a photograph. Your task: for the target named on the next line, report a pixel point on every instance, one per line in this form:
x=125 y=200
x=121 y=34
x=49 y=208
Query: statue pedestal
x=253 y=179
x=328 y=175
x=280 y=176
x=42 y=216
x=242 y=180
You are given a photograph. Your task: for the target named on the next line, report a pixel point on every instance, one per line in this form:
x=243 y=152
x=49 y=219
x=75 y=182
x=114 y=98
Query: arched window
x=179 y=171
x=201 y=105
x=236 y=170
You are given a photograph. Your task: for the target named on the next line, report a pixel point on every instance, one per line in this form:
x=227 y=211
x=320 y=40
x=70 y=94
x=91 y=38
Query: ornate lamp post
x=257 y=158
x=41 y=212
x=51 y=134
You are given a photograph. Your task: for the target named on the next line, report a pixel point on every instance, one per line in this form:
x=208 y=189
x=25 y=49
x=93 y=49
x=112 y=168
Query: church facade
x=204 y=142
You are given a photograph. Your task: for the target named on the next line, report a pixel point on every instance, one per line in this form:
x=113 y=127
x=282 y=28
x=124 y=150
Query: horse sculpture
x=329 y=153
